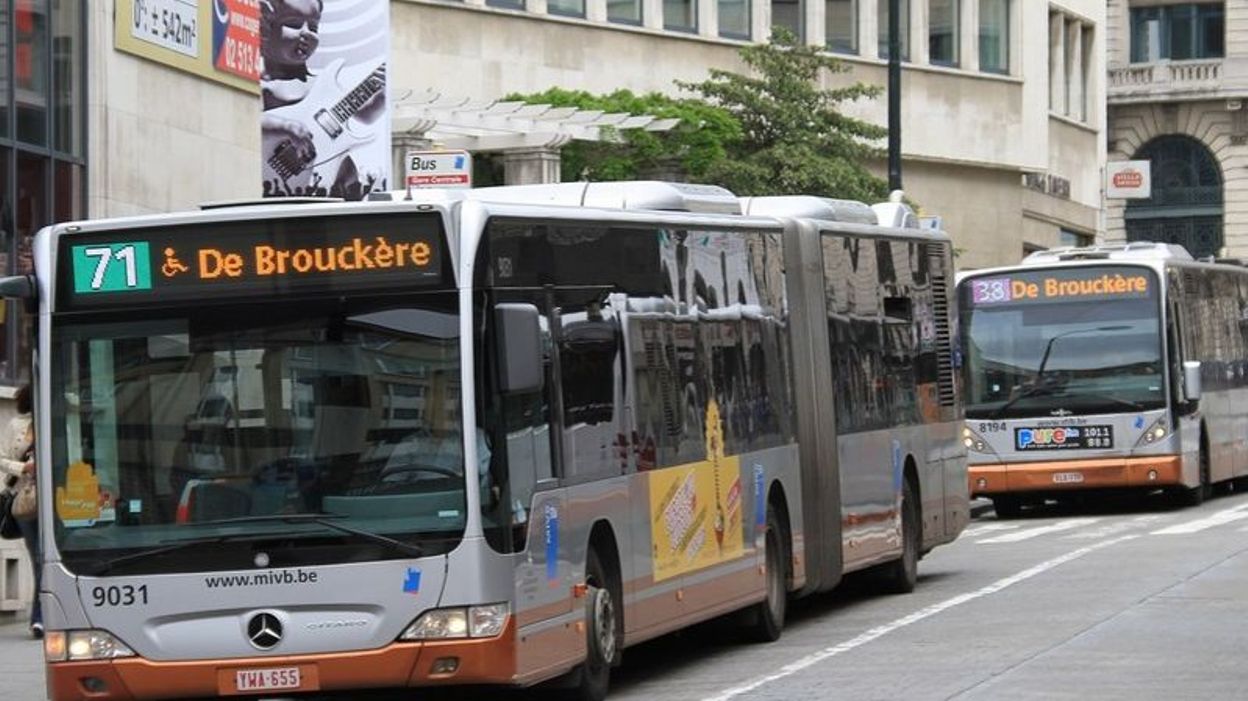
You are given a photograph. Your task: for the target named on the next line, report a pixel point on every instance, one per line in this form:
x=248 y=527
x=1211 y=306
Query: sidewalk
x=21 y=662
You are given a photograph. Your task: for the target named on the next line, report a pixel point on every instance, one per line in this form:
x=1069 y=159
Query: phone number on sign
x=172 y=24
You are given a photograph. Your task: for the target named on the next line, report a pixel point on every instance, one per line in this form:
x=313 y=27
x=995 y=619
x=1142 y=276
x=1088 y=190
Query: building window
x=994 y=36
x=42 y=145
x=509 y=4
x=734 y=19
x=841 y=25
x=1070 y=58
x=787 y=14
x=568 y=8
x=1066 y=237
x=942 y=32
x=680 y=15
x=904 y=31
x=1178 y=32
x=624 y=11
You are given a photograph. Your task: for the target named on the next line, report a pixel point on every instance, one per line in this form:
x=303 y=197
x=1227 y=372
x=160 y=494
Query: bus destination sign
x=252 y=257
x=1089 y=284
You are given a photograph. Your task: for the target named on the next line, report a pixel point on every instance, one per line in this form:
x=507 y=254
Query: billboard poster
x=214 y=39
x=236 y=38
x=325 y=127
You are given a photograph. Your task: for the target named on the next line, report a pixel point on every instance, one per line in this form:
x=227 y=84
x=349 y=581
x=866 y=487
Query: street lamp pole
x=894 y=95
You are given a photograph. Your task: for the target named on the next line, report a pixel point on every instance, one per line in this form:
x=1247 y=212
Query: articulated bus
x=486 y=437
x=1105 y=368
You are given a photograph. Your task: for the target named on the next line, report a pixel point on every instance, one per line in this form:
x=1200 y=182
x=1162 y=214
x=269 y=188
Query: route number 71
x=117 y=267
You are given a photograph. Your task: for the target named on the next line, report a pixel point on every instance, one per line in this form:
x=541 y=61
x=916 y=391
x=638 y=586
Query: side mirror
x=1191 y=380
x=21 y=287
x=518 y=344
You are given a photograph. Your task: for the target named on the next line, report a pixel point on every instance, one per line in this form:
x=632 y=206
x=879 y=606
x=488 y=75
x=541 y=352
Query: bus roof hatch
x=810 y=207
x=636 y=195
x=1136 y=250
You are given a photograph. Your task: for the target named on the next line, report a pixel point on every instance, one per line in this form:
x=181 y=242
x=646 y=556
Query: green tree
x=776 y=131
x=794 y=137
x=693 y=146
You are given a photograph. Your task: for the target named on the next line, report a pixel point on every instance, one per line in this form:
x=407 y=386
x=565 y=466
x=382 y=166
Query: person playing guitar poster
x=311 y=122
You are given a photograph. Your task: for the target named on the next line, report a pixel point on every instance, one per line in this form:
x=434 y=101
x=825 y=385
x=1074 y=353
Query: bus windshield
x=314 y=432
x=1058 y=342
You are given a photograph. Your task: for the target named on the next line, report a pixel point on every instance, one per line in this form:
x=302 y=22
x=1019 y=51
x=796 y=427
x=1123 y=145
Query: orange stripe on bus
x=1057 y=475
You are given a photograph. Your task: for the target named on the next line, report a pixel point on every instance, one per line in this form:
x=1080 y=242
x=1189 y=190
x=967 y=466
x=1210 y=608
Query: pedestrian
x=18 y=465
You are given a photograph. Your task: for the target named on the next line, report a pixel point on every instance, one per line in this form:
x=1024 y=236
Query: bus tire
x=901 y=575
x=591 y=679
x=1007 y=507
x=764 y=621
x=1204 y=490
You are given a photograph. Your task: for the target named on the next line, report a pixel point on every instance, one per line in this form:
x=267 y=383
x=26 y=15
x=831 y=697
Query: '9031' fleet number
x=125 y=595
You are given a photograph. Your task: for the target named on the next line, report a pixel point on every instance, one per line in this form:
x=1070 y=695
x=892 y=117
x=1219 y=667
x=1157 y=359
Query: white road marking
x=988 y=528
x=1042 y=530
x=1220 y=518
x=880 y=631
x=1113 y=528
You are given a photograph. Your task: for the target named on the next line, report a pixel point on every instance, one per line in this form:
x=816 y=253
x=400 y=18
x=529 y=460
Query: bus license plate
x=266 y=679
x=1067 y=477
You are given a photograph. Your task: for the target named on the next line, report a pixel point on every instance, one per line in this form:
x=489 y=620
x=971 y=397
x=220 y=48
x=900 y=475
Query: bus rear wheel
x=590 y=681
x=901 y=575
x=764 y=621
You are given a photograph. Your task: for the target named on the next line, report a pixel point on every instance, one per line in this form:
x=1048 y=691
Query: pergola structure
x=528 y=136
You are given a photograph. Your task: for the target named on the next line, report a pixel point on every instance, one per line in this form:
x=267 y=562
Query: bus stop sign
x=441 y=169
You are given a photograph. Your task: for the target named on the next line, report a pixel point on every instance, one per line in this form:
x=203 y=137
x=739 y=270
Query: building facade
x=1003 y=126
x=1178 y=79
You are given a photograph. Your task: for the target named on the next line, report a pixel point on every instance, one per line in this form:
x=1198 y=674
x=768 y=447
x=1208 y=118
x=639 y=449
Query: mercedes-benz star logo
x=264 y=631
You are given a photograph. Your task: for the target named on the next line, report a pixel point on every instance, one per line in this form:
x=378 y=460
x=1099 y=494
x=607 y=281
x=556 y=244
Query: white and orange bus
x=489 y=437
x=1105 y=368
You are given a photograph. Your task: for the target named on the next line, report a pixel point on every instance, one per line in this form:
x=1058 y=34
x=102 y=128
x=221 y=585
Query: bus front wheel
x=589 y=681
x=1007 y=507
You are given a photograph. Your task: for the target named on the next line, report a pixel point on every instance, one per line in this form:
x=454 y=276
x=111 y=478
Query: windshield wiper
x=1133 y=406
x=321 y=520
x=1028 y=391
x=107 y=566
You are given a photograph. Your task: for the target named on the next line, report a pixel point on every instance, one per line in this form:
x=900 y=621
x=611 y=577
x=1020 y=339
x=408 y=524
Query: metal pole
x=894 y=95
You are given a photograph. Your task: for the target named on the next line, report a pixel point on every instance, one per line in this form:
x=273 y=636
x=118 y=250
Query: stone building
x=1178 y=78
x=1003 y=127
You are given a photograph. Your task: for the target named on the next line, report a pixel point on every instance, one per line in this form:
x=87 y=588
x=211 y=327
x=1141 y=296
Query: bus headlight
x=484 y=621
x=973 y=441
x=78 y=645
x=1155 y=432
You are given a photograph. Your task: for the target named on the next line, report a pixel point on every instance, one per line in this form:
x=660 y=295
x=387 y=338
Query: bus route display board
x=204 y=262
x=1087 y=284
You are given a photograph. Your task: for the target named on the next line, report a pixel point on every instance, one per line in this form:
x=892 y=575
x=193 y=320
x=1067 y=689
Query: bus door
x=1184 y=417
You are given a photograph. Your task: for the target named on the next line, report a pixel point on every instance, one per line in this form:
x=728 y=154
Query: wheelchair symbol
x=172 y=265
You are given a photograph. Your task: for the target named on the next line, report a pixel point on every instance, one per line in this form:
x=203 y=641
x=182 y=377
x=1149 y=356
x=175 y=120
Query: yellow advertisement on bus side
x=695 y=509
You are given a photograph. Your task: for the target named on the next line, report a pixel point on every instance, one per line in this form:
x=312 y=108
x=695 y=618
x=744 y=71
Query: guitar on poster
x=329 y=112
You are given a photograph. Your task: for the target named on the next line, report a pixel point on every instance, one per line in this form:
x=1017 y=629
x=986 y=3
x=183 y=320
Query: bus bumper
x=400 y=664
x=1066 y=475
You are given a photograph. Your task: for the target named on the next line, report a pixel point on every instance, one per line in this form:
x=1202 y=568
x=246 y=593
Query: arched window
x=1186 y=204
